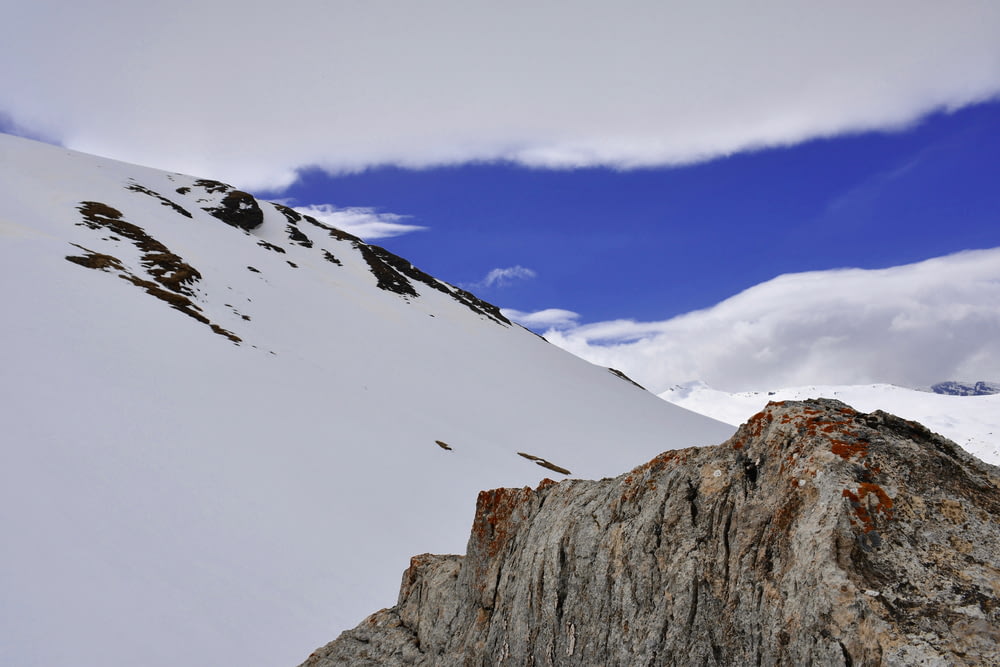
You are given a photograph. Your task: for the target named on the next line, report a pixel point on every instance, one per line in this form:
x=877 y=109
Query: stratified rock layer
x=816 y=535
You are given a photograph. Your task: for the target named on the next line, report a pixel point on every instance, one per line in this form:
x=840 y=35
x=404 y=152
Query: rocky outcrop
x=238 y=209
x=816 y=535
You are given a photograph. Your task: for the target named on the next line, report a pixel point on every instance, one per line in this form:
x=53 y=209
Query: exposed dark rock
x=96 y=260
x=473 y=302
x=296 y=236
x=135 y=187
x=335 y=233
x=615 y=371
x=237 y=208
x=393 y=273
x=404 y=268
x=293 y=217
x=270 y=246
x=210 y=186
x=172 y=278
x=290 y=213
x=328 y=256
x=545 y=464
x=386 y=276
x=816 y=535
x=166 y=267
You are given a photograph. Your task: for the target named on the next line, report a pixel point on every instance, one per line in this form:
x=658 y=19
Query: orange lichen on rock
x=645 y=472
x=410 y=576
x=659 y=462
x=845 y=449
x=494 y=508
x=758 y=422
x=850 y=444
x=633 y=490
x=882 y=505
x=546 y=483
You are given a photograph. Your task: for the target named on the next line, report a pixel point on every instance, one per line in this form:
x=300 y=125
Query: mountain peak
x=815 y=535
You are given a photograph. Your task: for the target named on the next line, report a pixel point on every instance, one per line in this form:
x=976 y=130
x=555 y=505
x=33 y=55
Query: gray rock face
x=817 y=535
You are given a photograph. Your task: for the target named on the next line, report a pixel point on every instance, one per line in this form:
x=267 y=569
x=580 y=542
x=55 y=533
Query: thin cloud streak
x=365 y=222
x=550 y=318
x=254 y=93
x=910 y=325
x=505 y=276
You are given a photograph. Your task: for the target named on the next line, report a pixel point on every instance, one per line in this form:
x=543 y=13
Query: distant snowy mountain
x=966 y=388
x=970 y=421
x=227 y=426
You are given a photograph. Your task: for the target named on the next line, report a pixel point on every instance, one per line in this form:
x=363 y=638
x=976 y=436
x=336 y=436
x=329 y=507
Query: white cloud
x=552 y=318
x=367 y=223
x=910 y=325
x=250 y=92
x=504 y=277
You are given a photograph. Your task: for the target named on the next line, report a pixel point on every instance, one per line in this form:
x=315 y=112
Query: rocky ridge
x=815 y=535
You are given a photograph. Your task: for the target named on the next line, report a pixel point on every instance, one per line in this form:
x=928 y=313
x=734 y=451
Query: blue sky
x=654 y=243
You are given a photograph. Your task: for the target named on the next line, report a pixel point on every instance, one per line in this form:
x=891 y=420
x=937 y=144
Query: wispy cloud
x=550 y=318
x=910 y=325
x=367 y=223
x=645 y=83
x=504 y=277
x=501 y=277
x=862 y=195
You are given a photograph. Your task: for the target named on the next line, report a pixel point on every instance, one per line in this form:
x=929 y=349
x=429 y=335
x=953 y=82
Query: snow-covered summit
x=227 y=427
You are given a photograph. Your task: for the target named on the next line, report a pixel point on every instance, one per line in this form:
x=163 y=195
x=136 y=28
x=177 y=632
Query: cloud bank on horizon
x=910 y=325
x=250 y=93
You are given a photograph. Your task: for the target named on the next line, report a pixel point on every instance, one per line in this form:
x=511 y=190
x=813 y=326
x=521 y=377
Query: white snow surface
x=973 y=422
x=169 y=497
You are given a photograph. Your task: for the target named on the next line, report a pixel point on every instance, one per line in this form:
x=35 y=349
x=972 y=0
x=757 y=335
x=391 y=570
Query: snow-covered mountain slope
x=226 y=427
x=970 y=421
